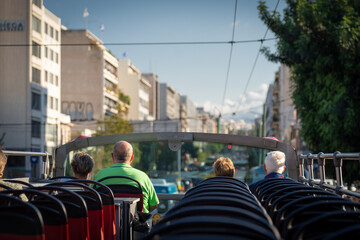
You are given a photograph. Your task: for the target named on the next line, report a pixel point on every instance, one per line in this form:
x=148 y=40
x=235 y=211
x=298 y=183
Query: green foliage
x=124 y=98
x=320 y=42
x=190 y=148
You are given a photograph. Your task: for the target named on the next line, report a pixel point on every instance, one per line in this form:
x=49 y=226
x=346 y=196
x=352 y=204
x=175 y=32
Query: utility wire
x=257 y=56
x=230 y=57
x=136 y=43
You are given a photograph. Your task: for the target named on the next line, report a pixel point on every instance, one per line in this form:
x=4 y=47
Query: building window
x=56 y=57
x=56 y=80
x=111 y=68
x=46 y=26
x=51 y=78
x=46 y=76
x=56 y=35
x=56 y=104
x=51 y=55
x=45 y=101
x=51 y=103
x=35 y=101
x=51 y=31
x=36 y=75
x=37 y=3
x=46 y=52
x=36 y=24
x=35 y=129
x=36 y=49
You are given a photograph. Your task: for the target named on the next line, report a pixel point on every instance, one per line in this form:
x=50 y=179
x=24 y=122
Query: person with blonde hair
x=224 y=167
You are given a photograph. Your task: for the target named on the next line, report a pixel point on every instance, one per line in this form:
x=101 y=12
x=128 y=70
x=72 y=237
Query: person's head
x=3 y=161
x=224 y=167
x=122 y=153
x=81 y=165
x=274 y=162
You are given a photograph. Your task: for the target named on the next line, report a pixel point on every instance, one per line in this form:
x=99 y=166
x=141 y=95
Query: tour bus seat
x=313 y=210
x=76 y=209
x=266 y=197
x=19 y=219
x=219 y=189
x=326 y=224
x=3 y=186
x=107 y=198
x=224 y=179
x=215 y=210
x=219 y=201
x=52 y=211
x=350 y=232
x=126 y=188
x=225 y=186
x=26 y=184
x=263 y=193
x=222 y=226
x=224 y=194
x=280 y=198
x=59 y=178
x=295 y=204
x=268 y=181
x=94 y=206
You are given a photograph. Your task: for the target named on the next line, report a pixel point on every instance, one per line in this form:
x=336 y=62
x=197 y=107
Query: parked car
x=167 y=187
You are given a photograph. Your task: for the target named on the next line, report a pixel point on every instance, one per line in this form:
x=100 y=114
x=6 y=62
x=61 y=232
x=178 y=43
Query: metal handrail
x=321 y=157
x=45 y=155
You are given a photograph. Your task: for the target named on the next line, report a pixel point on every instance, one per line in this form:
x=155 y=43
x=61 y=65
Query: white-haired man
x=274 y=165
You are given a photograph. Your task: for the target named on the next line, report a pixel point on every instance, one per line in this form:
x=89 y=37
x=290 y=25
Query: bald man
x=122 y=157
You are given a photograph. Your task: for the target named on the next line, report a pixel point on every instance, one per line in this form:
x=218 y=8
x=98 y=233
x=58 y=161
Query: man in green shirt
x=122 y=156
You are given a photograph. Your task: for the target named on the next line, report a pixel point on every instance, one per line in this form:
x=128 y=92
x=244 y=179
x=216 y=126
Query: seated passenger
x=122 y=157
x=274 y=165
x=224 y=167
x=81 y=165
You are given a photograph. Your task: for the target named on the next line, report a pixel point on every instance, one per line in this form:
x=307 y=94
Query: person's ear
x=265 y=168
x=283 y=169
x=112 y=156
x=131 y=159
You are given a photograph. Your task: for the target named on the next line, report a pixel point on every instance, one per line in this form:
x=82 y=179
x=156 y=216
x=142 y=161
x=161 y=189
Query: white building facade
x=30 y=78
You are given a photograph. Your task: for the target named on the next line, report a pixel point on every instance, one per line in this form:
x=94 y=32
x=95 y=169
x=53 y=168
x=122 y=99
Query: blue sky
x=198 y=71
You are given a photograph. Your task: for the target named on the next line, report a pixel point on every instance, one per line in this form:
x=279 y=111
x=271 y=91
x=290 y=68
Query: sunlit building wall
x=169 y=103
x=137 y=87
x=30 y=79
x=191 y=114
x=89 y=88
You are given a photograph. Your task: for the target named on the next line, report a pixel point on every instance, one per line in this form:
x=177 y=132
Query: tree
x=110 y=124
x=320 y=42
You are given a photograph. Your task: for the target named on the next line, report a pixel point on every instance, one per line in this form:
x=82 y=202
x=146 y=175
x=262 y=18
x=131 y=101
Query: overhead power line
x=230 y=57
x=257 y=56
x=137 y=43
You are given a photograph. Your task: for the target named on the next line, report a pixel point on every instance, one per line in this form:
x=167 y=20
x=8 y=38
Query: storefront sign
x=12 y=25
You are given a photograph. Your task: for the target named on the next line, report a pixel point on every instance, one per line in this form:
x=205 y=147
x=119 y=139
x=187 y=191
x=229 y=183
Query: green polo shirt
x=122 y=169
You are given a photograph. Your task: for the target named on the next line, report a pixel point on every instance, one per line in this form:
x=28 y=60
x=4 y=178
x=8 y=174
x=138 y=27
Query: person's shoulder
x=141 y=173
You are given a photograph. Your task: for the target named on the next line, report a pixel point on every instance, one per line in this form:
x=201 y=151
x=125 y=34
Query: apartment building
x=89 y=89
x=30 y=77
x=190 y=125
x=137 y=87
x=169 y=103
x=154 y=102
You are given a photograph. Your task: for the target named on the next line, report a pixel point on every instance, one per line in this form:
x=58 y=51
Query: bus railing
x=45 y=158
x=321 y=157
